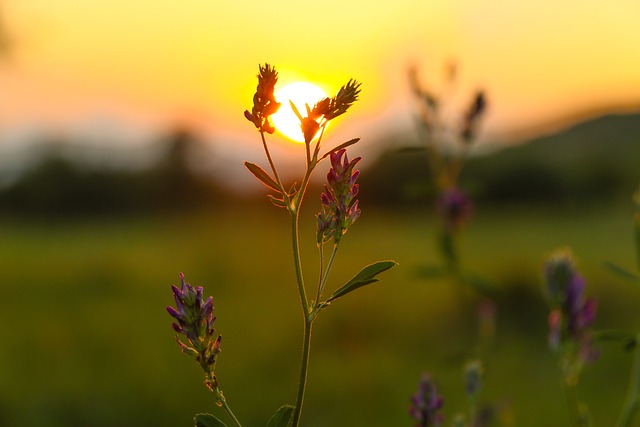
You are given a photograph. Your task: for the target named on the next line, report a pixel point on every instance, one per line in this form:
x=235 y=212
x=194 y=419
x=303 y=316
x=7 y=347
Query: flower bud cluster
x=328 y=109
x=339 y=204
x=472 y=117
x=195 y=321
x=426 y=404
x=264 y=101
x=455 y=208
x=572 y=313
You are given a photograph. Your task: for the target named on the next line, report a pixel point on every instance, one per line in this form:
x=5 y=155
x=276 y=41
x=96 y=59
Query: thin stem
x=226 y=407
x=326 y=272
x=631 y=399
x=306 y=350
x=212 y=384
x=296 y=258
x=273 y=166
x=321 y=253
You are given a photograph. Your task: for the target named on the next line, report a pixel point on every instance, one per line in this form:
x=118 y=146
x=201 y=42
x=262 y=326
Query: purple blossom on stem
x=572 y=313
x=454 y=207
x=339 y=204
x=195 y=320
x=426 y=404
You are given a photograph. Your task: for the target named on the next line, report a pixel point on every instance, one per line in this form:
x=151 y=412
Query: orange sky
x=147 y=64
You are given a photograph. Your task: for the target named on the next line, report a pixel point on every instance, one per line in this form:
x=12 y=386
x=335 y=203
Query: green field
x=86 y=340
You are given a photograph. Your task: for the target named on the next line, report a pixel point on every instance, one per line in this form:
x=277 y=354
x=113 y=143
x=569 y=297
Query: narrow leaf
x=277 y=202
x=340 y=147
x=281 y=417
x=207 y=420
x=621 y=272
x=365 y=277
x=295 y=110
x=263 y=176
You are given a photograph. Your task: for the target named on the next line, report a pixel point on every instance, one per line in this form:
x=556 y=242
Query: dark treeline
x=592 y=162
x=58 y=186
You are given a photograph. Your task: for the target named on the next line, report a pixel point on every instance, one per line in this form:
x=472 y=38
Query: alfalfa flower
x=571 y=313
x=328 y=109
x=194 y=319
x=339 y=204
x=426 y=404
x=264 y=101
x=455 y=208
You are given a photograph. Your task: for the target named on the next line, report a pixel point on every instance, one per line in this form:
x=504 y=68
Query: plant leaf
x=281 y=417
x=340 y=147
x=365 y=277
x=263 y=176
x=295 y=110
x=621 y=272
x=277 y=202
x=207 y=420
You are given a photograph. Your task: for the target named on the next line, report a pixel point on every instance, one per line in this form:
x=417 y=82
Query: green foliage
x=282 y=417
x=365 y=277
x=263 y=176
x=207 y=420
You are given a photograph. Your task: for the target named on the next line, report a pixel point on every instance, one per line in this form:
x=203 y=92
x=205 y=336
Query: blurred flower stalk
x=570 y=319
x=447 y=145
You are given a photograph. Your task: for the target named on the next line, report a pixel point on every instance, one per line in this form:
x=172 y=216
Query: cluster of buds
x=472 y=117
x=426 y=404
x=195 y=321
x=473 y=378
x=571 y=313
x=455 y=208
x=264 y=101
x=339 y=204
x=328 y=109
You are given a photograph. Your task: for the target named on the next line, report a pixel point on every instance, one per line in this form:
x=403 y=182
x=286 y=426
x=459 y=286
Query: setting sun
x=300 y=93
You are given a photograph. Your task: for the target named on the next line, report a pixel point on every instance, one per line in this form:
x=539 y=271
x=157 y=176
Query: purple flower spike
x=455 y=208
x=572 y=314
x=339 y=205
x=195 y=322
x=426 y=404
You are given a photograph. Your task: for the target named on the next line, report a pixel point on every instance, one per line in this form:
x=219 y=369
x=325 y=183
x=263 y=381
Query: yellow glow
x=301 y=94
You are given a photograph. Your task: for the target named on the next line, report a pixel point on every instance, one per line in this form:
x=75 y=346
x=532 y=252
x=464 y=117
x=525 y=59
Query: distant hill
x=593 y=160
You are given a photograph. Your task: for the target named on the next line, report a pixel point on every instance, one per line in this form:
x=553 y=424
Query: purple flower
x=426 y=404
x=194 y=320
x=455 y=208
x=264 y=101
x=572 y=313
x=339 y=204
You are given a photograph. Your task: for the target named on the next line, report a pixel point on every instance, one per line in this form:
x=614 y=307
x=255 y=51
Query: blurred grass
x=86 y=340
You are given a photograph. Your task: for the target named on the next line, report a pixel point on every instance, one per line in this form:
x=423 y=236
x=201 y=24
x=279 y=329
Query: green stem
x=295 y=213
x=273 y=166
x=323 y=277
x=578 y=415
x=306 y=350
x=295 y=210
x=226 y=407
x=631 y=399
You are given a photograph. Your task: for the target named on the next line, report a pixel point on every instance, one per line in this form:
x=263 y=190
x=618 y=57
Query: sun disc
x=300 y=93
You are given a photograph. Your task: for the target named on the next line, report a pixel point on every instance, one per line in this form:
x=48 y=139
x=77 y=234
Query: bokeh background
x=121 y=146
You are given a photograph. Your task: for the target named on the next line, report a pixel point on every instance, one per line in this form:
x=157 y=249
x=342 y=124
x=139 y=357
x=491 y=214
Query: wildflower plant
x=426 y=404
x=570 y=318
x=339 y=209
x=447 y=145
x=630 y=339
